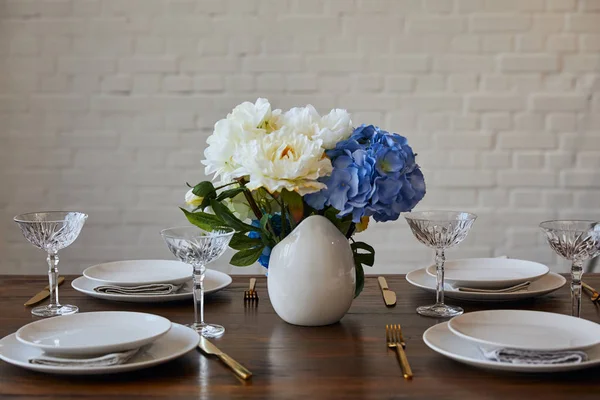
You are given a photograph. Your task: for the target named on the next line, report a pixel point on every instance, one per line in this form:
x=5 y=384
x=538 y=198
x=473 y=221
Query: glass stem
x=576 y=274
x=52 y=260
x=199 y=293
x=439 y=268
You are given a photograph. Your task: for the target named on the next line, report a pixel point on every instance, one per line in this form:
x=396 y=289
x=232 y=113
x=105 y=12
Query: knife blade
x=43 y=294
x=389 y=297
x=209 y=348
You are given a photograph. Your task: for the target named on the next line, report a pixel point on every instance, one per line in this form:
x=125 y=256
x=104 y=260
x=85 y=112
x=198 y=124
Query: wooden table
x=348 y=360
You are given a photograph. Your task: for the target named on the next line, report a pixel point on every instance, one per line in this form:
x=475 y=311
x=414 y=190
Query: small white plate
x=178 y=341
x=213 y=282
x=93 y=333
x=440 y=339
x=546 y=284
x=139 y=272
x=490 y=272
x=527 y=330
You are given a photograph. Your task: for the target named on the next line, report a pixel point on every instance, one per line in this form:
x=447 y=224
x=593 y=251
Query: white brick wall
x=105 y=106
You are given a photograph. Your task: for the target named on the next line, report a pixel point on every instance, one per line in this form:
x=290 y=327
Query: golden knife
x=211 y=349
x=594 y=295
x=388 y=296
x=43 y=294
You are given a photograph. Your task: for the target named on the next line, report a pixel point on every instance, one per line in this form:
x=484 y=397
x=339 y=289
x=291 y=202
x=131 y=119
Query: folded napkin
x=512 y=289
x=516 y=356
x=103 y=361
x=153 y=289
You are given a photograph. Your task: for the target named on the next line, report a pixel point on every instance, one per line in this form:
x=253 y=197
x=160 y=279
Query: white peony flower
x=283 y=160
x=246 y=122
x=192 y=200
x=334 y=127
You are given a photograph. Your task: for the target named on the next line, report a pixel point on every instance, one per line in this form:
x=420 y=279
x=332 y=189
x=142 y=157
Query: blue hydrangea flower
x=374 y=174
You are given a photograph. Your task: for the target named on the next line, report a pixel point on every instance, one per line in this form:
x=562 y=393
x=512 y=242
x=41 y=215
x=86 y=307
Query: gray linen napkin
x=516 y=356
x=103 y=361
x=153 y=289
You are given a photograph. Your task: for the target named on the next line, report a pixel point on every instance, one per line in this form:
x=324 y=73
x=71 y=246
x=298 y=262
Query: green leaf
x=229 y=193
x=360 y=279
x=367 y=257
x=230 y=220
x=294 y=204
x=239 y=241
x=203 y=220
x=204 y=189
x=343 y=224
x=246 y=257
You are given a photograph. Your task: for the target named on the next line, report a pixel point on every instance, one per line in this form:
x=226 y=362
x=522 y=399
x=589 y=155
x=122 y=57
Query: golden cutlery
x=594 y=295
x=209 y=348
x=512 y=289
x=389 y=297
x=393 y=334
x=250 y=294
x=43 y=294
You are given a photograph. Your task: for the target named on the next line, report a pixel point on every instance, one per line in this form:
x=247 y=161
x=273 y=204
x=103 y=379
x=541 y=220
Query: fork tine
x=387 y=333
x=400 y=333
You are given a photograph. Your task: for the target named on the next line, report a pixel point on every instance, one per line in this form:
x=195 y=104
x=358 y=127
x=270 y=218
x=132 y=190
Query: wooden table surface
x=348 y=360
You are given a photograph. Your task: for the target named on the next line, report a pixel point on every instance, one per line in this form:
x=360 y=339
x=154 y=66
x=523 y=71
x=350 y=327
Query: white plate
x=178 y=341
x=213 y=282
x=490 y=272
x=528 y=330
x=94 y=332
x=546 y=284
x=139 y=272
x=440 y=339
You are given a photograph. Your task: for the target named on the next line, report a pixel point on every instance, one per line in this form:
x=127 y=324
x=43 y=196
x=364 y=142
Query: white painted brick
x=531 y=43
x=559 y=160
x=526 y=83
x=526 y=198
x=433 y=122
x=587 y=199
x=462 y=83
x=117 y=83
x=512 y=5
x=431 y=102
x=150 y=45
x=87 y=8
x=463 y=64
x=367 y=83
x=562 y=122
x=208 y=83
x=308 y=82
x=401 y=120
x=502 y=159
x=394 y=64
x=526 y=140
x=146 y=83
x=562 y=42
x=561 y=5
x=329 y=64
x=580 y=141
x=558 y=200
x=59 y=103
x=497 y=43
x=438 y=6
x=588 y=160
x=583 y=23
x=148 y=65
x=464 y=140
x=590 y=42
x=466 y=44
x=528 y=63
x=399 y=83
x=213 y=64
x=464 y=159
x=529 y=160
x=582 y=63
x=467 y=178
x=180 y=121
x=436 y=24
x=548 y=23
x=491 y=102
x=526 y=179
x=178 y=83
x=240 y=83
x=590 y=5
x=431 y=83
x=558 y=83
x=464 y=122
x=270 y=82
x=580 y=179
x=374 y=44
x=500 y=121
x=531 y=122
x=558 y=102
x=499 y=22
x=495 y=83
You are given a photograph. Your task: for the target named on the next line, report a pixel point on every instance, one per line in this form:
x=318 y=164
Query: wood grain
x=348 y=360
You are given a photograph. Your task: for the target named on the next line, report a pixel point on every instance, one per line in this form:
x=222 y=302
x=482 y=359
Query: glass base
x=208 y=330
x=53 y=311
x=440 y=311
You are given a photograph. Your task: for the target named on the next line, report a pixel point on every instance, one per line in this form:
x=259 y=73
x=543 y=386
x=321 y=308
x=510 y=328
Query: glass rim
x=19 y=217
x=550 y=221
x=163 y=232
x=470 y=216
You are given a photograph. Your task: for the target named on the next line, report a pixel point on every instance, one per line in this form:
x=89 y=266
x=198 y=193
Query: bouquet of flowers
x=276 y=168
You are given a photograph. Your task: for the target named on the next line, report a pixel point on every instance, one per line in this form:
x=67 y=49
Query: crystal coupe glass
x=198 y=247
x=576 y=241
x=52 y=231
x=440 y=230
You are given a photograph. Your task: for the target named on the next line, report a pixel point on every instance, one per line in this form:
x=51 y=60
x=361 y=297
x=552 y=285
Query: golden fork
x=594 y=295
x=393 y=334
x=250 y=294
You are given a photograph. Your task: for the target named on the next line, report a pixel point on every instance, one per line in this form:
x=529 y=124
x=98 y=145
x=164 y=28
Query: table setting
x=292 y=191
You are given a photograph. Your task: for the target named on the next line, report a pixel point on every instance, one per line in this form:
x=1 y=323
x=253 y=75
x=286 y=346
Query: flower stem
x=250 y=200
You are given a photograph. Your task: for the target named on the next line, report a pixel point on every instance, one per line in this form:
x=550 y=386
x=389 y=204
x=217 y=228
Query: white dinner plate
x=178 y=341
x=139 y=272
x=527 y=330
x=487 y=273
x=546 y=284
x=440 y=339
x=213 y=282
x=93 y=333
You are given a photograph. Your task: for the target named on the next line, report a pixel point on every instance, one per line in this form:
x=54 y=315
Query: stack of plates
x=146 y=272
x=464 y=337
x=489 y=273
x=94 y=334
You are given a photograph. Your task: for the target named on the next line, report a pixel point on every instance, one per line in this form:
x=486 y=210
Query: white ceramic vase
x=311 y=278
